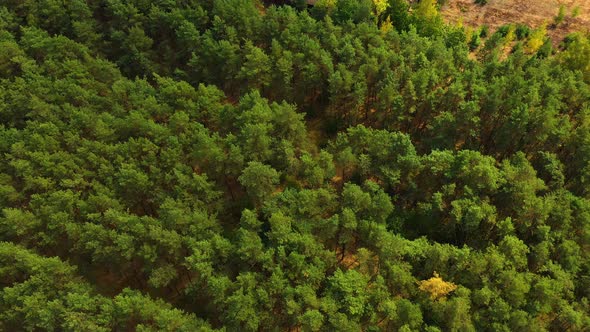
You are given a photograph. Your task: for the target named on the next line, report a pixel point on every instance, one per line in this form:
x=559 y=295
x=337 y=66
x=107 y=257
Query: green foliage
x=577 y=55
x=484 y=31
x=270 y=167
x=522 y=31
x=576 y=12
x=560 y=15
x=399 y=15
x=474 y=42
x=259 y=180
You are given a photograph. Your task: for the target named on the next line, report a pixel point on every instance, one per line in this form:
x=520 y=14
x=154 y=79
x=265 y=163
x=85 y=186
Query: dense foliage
x=226 y=164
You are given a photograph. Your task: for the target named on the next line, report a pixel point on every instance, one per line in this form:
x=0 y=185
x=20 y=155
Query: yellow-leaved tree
x=577 y=55
x=427 y=9
x=386 y=25
x=380 y=6
x=511 y=35
x=436 y=287
x=536 y=39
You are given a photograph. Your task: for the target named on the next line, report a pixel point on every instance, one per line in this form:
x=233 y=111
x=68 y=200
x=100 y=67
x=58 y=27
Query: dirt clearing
x=532 y=13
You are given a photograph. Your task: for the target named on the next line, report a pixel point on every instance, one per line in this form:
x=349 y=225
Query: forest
x=249 y=165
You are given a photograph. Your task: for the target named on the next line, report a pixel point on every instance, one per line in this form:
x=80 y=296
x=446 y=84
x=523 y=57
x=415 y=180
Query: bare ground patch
x=532 y=13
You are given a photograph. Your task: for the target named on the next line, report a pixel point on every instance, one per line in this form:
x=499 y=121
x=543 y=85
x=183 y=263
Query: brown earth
x=530 y=12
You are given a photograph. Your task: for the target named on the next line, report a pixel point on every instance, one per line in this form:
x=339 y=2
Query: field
x=532 y=13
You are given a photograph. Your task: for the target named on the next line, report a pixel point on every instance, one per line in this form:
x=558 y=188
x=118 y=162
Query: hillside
x=532 y=13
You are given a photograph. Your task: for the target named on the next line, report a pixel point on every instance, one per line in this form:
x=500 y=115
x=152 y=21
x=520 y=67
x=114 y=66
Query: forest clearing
x=496 y=13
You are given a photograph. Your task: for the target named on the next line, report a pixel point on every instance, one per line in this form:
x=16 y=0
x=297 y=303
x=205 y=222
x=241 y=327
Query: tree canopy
x=239 y=165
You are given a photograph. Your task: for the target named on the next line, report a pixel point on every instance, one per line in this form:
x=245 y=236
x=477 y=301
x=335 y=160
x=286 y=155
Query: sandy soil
x=530 y=12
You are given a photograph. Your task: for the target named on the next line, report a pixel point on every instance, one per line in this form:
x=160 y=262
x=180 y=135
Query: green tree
x=260 y=181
